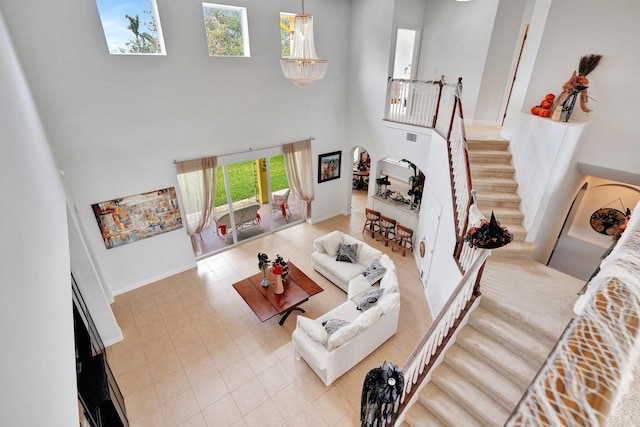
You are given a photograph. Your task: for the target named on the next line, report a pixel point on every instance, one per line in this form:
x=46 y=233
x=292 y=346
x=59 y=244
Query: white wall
x=439 y=271
x=607 y=144
x=117 y=122
x=500 y=62
x=455 y=43
x=37 y=361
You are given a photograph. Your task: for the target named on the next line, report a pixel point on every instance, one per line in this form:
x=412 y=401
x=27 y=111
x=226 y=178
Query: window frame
x=244 y=27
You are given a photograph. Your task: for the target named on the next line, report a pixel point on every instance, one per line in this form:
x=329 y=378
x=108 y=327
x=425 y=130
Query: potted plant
x=417 y=182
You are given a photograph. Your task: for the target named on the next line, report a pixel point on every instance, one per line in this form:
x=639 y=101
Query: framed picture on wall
x=329 y=166
x=132 y=218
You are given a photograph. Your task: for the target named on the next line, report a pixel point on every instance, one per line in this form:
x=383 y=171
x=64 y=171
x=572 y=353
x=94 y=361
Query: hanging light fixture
x=303 y=67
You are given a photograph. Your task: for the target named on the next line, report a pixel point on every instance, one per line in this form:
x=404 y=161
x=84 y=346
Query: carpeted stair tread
x=517 y=249
x=517 y=230
x=525 y=342
x=488 y=170
x=490 y=156
x=495 y=184
x=475 y=401
x=491 y=200
x=496 y=355
x=487 y=144
x=419 y=416
x=500 y=388
x=445 y=408
x=504 y=215
x=538 y=293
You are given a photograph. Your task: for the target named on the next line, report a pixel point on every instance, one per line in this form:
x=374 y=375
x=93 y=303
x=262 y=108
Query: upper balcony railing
x=437 y=105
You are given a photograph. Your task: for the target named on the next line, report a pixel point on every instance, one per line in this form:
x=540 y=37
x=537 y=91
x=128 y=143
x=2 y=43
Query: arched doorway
x=582 y=244
x=359 y=186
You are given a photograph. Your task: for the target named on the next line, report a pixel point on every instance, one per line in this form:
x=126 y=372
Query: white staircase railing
x=438 y=105
x=423 y=358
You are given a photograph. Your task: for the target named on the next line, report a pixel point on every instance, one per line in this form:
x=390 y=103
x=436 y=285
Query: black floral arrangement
x=279 y=261
x=488 y=235
x=263 y=261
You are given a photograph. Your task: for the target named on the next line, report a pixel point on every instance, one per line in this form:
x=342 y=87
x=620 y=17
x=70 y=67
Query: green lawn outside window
x=243 y=180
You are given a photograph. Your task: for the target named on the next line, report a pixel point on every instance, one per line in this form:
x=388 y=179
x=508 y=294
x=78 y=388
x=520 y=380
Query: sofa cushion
x=389 y=282
x=389 y=302
x=347 y=253
x=369 y=317
x=369 y=298
x=330 y=242
x=313 y=329
x=332 y=325
x=368 y=254
x=342 y=335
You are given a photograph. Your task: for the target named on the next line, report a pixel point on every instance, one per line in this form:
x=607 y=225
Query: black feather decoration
x=588 y=63
x=381 y=395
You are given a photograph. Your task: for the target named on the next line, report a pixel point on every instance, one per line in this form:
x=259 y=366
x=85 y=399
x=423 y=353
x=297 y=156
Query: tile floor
x=194 y=354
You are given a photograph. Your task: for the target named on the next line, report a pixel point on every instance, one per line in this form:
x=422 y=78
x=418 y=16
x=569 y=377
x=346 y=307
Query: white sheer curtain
x=197 y=182
x=299 y=166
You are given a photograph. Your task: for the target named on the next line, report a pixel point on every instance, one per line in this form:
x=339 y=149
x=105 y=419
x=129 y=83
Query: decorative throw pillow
x=389 y=302
x=389 y=282
x=347 y=253
x=314 y=330
x=333 y=325
x=369 y=317
x=369 y=299
x=330 y=242
x=343 y=335
x=374 y=271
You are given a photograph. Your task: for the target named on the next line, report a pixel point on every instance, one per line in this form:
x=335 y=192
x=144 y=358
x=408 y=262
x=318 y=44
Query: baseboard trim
x=154 y=279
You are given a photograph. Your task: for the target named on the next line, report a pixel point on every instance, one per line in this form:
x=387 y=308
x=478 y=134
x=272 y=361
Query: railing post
x=435 y=116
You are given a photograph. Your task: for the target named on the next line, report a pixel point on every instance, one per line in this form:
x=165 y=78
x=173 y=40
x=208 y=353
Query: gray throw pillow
x=369 y=299
x=374 y=271
x=333 y=325
x=347 y=253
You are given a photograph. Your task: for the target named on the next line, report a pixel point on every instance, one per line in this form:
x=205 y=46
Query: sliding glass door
x=252 y=197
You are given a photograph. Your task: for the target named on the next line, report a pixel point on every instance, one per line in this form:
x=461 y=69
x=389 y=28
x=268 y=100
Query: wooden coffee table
x=298 y=288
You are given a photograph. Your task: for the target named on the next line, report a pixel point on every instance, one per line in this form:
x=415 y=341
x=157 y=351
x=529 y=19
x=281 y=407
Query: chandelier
x=303 y=67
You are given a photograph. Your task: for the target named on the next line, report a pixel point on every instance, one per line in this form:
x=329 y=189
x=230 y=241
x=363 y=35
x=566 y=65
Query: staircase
x=498 y=352
x=492 y=177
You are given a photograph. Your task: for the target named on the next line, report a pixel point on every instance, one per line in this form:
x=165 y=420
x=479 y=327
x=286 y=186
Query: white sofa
x=330 y=356
x=323 y=259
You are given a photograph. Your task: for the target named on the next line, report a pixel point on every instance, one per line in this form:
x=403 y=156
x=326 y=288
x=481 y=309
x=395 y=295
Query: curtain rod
x=250 y=150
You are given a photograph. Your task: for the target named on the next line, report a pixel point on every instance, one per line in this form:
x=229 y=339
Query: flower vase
x=265 y=281
x=277 y=270
x=279 y=285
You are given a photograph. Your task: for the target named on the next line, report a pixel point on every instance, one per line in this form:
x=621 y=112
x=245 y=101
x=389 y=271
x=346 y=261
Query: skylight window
x=131 y=27
x=287 y=23
x=226 y=29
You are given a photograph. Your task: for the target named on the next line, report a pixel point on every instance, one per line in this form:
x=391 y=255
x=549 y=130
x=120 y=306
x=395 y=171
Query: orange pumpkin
x=550 y=97
x=544 y=113
x=535 y=110
x=546 y=104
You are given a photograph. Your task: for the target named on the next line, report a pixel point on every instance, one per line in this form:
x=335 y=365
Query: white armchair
x=280 y=203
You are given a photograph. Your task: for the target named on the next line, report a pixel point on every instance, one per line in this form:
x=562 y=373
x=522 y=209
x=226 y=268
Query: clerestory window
x=287 y=21
x=131 y=27
x=226 y=29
